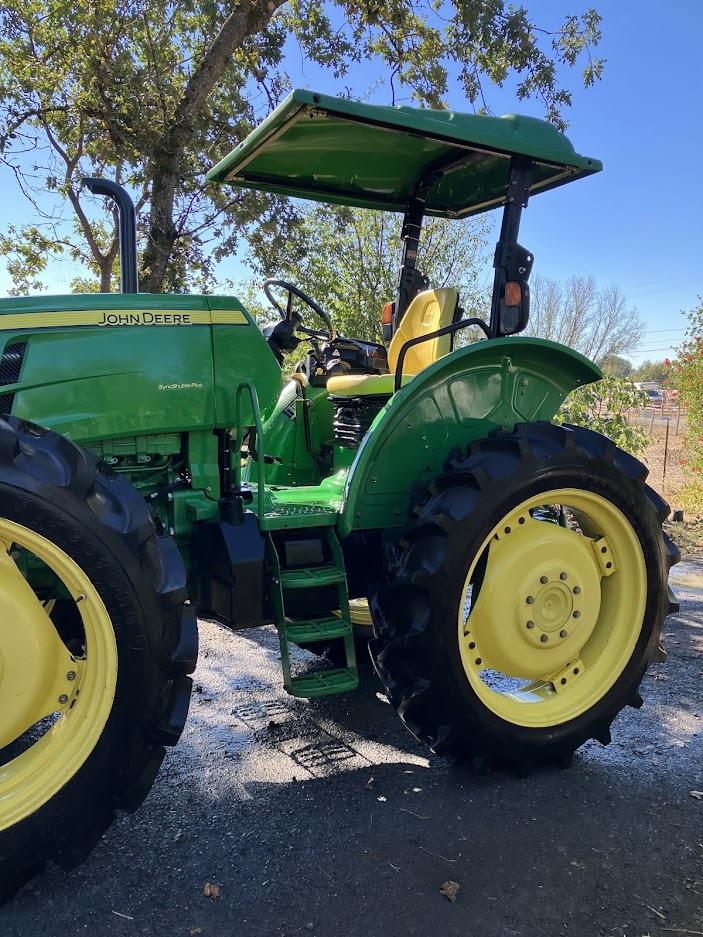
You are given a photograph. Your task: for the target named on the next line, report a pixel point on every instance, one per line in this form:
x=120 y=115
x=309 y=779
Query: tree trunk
x=247 y=19
x=105 y=275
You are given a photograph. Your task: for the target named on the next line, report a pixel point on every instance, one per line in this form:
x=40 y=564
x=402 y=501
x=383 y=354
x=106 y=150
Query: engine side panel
x=240 y=354
x=97 y=367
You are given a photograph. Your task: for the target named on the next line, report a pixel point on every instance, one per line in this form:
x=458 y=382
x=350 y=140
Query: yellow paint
x=119 y=318
x=353 y=385
x=39 y=677
x=551 y=612
x=34 y=661
x=229 y=318
x=429 y=311
x=360 y=613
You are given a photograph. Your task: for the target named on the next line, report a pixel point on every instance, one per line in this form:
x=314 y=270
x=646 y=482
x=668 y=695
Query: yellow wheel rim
x=559 y=608
x=40 y=678
x=360 y=614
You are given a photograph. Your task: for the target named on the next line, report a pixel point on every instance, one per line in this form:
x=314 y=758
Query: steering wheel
x=289 y=315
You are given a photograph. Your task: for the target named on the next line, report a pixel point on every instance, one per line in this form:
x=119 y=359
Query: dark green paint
x=294 y=463
x=94 y=383
x=345 y=153
x=113 y=389
x=460 y=398
x=145 y=398
x=77 y=302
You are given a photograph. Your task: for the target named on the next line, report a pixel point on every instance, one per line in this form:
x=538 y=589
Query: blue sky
x=638 y=223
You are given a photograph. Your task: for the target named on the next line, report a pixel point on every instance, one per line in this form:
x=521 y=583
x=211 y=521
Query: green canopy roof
x=339 y=151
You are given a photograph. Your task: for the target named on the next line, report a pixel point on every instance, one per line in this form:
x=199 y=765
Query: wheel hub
x=542 y=619
x=553 y=606
x=550 y=617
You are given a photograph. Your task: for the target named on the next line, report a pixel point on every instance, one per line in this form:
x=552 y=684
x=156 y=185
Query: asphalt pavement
x=327 y=818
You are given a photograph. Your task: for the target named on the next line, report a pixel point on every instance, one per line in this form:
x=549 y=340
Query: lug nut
x=577 y=590
x=563 y=576
x=577 y=614
x=543 y=579
x=544 y=638
x=71 y=675
x=530 y=624
x=530 y=599
x=563 y=633
x=63 y=699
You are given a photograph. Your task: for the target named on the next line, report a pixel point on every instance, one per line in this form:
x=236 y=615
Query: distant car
x=652 y=390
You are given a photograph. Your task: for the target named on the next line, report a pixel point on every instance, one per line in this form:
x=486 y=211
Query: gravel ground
x=327 y=818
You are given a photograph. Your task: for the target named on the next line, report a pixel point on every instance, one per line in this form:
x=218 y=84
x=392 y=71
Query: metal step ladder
x=311 y=630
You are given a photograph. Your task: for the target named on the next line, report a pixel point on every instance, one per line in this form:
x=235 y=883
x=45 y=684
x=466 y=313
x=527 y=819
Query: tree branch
x=247 y=19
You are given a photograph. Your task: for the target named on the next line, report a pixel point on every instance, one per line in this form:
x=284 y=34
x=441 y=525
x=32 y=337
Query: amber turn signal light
x=513 y=294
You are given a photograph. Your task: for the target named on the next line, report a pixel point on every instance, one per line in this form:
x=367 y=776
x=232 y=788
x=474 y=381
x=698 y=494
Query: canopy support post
x=511 y=262
x=410 y=281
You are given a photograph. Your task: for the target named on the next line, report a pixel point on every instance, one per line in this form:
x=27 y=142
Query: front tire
x=94 y=654
x=509 y=639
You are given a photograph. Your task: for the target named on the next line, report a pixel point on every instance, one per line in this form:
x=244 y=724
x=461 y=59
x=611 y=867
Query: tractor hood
x=334 y=150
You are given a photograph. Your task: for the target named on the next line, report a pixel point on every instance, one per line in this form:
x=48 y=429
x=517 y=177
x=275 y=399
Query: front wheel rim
x=558 y=610
x=77 y=690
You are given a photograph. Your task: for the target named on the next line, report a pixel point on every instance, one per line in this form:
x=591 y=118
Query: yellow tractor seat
x=429 y=311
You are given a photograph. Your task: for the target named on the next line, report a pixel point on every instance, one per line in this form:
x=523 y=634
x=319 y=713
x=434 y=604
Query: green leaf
x=153 y=93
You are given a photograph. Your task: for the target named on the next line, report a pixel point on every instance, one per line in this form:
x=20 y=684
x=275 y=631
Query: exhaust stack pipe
x=129 y=277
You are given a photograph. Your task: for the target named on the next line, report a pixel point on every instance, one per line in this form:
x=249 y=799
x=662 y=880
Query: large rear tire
x=511 y=639
x=94 y=654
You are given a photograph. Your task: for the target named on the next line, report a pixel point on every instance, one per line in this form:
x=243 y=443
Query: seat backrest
x=429 y=311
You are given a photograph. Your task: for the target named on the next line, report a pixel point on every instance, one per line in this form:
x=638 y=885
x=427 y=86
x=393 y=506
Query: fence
x=666 y=424
x=669 y=416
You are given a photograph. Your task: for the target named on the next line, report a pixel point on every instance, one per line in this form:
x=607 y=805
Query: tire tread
x=38 y=463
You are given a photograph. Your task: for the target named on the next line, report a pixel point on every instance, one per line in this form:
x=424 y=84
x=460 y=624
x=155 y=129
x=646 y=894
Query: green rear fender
x=460 y=398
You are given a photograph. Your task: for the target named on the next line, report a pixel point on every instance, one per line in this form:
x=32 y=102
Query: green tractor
x=514 y=570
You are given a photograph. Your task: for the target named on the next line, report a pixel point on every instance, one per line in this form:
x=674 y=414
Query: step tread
x=307 y=577
x=288 y=519
x=316 y=629
x=325 y=683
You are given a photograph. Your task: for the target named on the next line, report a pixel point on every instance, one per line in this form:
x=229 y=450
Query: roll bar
x=511 y=261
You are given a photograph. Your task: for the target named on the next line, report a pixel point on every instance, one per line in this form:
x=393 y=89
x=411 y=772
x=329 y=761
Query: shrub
x=604 y=407
x=687 y=375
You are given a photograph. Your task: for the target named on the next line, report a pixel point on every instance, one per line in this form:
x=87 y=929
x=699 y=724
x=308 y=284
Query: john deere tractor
x=155 y=466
